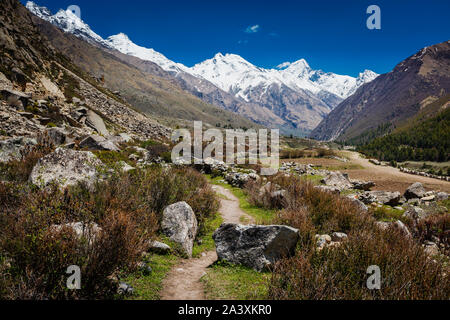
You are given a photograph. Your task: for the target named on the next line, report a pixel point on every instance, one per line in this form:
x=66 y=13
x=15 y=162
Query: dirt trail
x=183 y=281
x=390 y=178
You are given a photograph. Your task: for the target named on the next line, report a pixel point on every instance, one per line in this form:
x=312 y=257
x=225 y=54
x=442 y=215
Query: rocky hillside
x=41 y=89
x=392 y=98
x=147 y=92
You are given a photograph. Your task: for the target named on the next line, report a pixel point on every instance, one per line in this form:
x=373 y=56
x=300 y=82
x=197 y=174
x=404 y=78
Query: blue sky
x=330 y=35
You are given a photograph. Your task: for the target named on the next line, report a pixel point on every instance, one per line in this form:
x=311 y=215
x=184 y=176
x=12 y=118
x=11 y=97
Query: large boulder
x=94 y=121
x=337 y=180
x=257 y=247
x=66 y=167
x=180 y=225
x=237 y=179
x=415 y=191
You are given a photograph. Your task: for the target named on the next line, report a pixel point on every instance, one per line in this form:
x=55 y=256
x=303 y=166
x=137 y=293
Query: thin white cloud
x=283 y=65
x=252 y=29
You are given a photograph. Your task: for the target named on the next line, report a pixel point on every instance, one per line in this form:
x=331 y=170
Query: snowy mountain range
x=294 y=95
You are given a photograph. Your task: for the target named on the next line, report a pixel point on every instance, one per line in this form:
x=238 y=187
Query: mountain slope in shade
x=392 y=98
x=294 y=98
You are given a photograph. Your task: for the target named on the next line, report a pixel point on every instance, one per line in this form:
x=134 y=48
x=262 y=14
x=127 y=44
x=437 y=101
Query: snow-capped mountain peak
x=299 y=67
x=122 y=43
x=67 y=21
x=230 y=72
x=41 y=12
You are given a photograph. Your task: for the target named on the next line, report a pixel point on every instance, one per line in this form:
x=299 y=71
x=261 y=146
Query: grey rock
x=415 y=213
x=403 y=228
x=159 y=247
x=333 y=190
x=66 y=167
x=95 y=142
x=322 y=240
x=358 y=203
x=416 y=190
x=337 y=180
x=385 y=197
x=57 y=136
x=94 y=121
x=441 y=196
x=237 y=179
x=428 y=198
x=180 y=225
x=363 y=185
x=257 y=247
x=338 y=236
x=13 y=97
x=10 y=149
x=125 y=289
x=144 y=268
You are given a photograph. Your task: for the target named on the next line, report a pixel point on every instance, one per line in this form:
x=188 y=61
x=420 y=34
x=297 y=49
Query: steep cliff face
x=391 y=98
x=22 y=48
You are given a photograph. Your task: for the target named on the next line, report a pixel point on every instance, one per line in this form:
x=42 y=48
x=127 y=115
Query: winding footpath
x=183 y=281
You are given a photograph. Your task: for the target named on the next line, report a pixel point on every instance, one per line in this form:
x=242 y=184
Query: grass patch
x=149 y=287
x=226 y=281
x=316 y=179
x=111 y=158
x=261 y=215
x=387 y=214
x=207 y=242
x=348 y=166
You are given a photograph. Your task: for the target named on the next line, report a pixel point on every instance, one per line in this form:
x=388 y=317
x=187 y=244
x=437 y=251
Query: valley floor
x=386 y=178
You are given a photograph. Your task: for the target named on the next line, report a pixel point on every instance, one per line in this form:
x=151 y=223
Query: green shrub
x=339 y=272
x=126 y=206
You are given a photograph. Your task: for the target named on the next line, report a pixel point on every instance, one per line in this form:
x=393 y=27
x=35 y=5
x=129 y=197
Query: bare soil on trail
x=386 y=178
x=389 y=178
x=183 y=281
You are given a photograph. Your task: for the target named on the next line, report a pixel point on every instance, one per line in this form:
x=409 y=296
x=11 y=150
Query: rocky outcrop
x=257 y=247
x=337 y=180
x=66 y=167
x=384 y=197
x=180 y=225
x=415 y=191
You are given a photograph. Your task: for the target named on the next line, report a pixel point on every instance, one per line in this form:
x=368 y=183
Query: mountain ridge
x=392 y=98
x=311 y=94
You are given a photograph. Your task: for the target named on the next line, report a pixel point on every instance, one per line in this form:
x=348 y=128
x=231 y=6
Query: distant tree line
x=424 y=141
